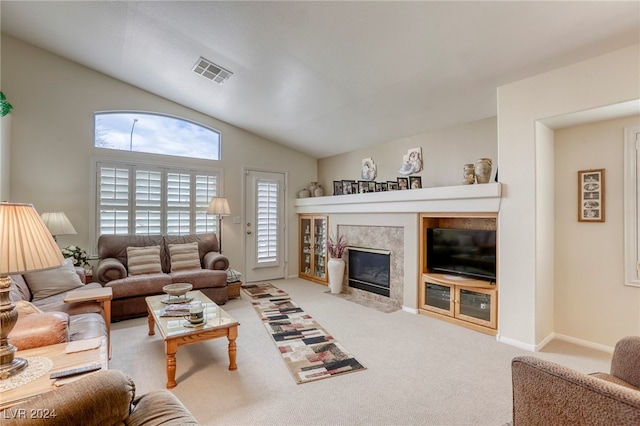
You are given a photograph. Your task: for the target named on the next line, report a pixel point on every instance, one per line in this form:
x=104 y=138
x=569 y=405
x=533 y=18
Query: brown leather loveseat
x=130 y=290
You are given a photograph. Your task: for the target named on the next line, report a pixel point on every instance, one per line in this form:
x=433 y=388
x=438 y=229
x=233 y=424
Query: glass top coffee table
x=177 y=331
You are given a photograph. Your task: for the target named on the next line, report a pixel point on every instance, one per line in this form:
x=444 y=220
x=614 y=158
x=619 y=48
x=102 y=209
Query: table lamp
x=26 y=245
x=219 y=206
x=58 y=224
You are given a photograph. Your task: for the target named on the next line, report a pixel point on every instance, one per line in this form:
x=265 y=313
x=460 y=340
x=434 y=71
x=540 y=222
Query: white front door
x=264 y=227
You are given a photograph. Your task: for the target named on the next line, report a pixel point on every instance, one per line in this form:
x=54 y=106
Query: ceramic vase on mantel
x=312 y=188
x=304 y=193
x=336 y=274
x=482 y=168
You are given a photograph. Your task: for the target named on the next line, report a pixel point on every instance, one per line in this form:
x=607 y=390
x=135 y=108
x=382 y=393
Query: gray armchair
x=546 y=393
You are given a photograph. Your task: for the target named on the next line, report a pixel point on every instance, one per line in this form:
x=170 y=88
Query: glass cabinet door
x=306 y=241
x=438 y=298
x=320 y=247
x=477 y=305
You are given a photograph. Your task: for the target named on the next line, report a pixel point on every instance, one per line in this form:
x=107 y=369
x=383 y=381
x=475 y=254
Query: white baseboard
x=544 y=342
x=516 y=343
x=410 y=310
x=549 y=338
x=584 y=343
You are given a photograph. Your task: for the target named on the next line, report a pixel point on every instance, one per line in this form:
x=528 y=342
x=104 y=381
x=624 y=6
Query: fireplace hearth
x=391 y=240
x=369 y=270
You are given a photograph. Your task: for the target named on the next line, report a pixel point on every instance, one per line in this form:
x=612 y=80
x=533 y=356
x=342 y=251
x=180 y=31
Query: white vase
x=336 y=274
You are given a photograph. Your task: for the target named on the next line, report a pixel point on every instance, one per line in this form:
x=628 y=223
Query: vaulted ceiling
x=327 y=77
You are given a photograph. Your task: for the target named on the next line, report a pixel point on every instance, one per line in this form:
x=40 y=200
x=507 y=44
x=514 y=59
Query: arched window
x=155 y=134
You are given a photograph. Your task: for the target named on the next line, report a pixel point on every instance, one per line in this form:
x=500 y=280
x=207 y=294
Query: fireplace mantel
x=463 y=198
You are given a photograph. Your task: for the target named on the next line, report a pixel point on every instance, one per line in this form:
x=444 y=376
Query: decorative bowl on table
x=177 y=293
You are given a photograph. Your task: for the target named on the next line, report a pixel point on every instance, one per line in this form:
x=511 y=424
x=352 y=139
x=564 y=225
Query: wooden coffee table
x=176 y=330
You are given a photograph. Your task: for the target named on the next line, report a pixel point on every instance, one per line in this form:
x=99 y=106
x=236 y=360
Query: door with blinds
x=264 y=225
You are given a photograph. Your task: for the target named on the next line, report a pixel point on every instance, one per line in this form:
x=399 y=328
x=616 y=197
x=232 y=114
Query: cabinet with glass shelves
x=313 y=248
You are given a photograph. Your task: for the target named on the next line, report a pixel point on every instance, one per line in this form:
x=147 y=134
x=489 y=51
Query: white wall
x=52 y=142
x=601 y=81
x=591 y=301
x=444 y=153
x=545 y=256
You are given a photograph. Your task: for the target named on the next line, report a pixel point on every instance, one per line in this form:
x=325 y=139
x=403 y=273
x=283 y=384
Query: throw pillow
x=233 y=276
x=184 y=256
x=144 y=260
x=53 y=281
x=25 y=308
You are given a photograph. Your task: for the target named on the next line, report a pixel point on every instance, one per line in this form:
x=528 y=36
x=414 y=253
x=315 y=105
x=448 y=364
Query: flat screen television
x=463 y=252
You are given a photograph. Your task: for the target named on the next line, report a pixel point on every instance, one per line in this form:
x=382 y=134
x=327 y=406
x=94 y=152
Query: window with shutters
x=139 y=199
x=632 y=206
x=155 y=134
x=267 y=224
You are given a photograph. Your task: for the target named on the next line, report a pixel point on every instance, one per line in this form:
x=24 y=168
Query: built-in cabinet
x=472 y=303
x=313 y=247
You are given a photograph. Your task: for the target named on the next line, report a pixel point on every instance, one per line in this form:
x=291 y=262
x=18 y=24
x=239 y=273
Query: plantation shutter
x=206 y=188
x=153 y=200
x=178 y=203
x=148 y=202
x=113 y=208
x=267 y=224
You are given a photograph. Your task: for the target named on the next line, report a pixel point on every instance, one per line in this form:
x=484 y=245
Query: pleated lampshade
x=26 y=244
x=58 y=223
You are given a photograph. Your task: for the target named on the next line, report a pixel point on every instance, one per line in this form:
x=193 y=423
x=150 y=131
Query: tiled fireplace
x=381 y=239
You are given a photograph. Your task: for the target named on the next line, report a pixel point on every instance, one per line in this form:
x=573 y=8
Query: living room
x=548 y=285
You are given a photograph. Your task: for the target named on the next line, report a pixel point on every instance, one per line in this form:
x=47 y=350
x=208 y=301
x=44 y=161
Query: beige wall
x=5 y=152
x=605 y=80
x=52 y=142
x=444 y=154
x=591 y=301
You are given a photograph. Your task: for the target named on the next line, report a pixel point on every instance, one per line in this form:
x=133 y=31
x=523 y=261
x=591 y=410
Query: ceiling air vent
x=211 y=71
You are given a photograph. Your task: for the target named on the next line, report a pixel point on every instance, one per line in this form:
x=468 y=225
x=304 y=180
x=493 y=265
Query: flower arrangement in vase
x=336 y=248
x=77 y=255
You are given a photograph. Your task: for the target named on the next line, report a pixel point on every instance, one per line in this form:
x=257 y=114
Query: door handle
x=248 y=232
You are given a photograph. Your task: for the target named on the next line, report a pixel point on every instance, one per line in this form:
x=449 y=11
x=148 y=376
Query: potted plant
x=336 y=249
x=77 y=255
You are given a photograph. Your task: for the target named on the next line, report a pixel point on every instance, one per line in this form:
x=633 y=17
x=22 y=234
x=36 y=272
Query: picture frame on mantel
x=591 y=193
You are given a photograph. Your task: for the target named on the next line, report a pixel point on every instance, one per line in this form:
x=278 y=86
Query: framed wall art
x=403 y=183
x=337 y=187
x=415 y=182
x=591 y=195
x=347 y=187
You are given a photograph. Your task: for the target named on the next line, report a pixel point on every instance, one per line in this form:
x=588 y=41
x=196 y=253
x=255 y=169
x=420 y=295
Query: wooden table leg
x=106 y=307
x=233 y=334
x=172 y=348
x=152 y=323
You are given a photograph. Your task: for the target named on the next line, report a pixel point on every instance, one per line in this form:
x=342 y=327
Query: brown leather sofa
x=129 y=292
x=102 y=398
x=545 y=393
x=49 y=321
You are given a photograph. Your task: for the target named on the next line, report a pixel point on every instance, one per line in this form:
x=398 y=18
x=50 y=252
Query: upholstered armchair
x=546 y=393
x=102 y=398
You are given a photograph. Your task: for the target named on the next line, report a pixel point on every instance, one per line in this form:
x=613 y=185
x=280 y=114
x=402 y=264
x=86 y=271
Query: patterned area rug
x=263 y=291
x=309 y=351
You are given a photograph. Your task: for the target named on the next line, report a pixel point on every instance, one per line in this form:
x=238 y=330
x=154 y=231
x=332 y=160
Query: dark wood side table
x=233 y=290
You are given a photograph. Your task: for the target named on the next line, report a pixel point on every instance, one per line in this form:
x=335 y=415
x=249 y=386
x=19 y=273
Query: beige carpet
x=420 y=371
